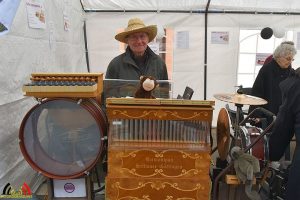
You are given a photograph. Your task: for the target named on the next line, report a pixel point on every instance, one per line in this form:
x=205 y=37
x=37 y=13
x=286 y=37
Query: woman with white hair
x=266 y=84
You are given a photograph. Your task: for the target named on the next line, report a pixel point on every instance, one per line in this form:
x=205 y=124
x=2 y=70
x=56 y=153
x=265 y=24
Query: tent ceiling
x=286 y=6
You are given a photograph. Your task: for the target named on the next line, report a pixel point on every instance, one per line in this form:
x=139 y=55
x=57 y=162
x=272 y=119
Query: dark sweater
x=266 y=85
x=125 y=67
x=287 y=125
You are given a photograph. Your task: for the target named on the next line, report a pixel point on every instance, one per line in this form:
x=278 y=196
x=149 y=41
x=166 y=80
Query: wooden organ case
x=158 y=149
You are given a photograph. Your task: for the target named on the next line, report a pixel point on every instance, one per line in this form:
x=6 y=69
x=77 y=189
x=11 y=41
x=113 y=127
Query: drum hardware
x=232 y=114
x=238 y=137
x=259 y=150
x=263 y=133
x=223 y=128
x=239 y=99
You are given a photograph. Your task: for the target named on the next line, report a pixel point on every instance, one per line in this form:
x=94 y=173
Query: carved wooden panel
x=149 y=163
x=157 y=189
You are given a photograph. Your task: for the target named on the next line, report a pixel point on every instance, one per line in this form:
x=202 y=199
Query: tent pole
x=205 y=49
x=82 y=6
x=86 y=47
x=197 y=11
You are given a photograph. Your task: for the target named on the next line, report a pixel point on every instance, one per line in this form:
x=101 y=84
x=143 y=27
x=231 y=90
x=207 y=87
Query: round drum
x=63 y=138
x=251 y=133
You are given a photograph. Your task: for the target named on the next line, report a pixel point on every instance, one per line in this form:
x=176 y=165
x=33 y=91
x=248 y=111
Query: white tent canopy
x=24 y=50
x=288 y=6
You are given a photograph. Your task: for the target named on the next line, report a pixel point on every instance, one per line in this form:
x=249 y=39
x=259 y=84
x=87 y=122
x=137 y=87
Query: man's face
x=138 y=43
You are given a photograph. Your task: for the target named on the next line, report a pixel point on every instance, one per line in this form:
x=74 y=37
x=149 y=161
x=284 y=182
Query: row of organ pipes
x=163 y=132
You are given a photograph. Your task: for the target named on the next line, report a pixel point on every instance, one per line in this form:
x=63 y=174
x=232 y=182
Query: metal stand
x=230 y=165
x=238 y=137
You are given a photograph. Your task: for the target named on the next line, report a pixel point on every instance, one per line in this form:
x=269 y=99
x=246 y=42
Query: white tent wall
x=24 y=51
x=188 y=64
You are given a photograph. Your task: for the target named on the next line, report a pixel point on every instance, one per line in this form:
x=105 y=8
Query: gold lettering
x=167 y=166
x=159 y=160
x=145 y=166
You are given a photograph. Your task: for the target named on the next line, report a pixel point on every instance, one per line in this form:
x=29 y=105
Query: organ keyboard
x=64 y=85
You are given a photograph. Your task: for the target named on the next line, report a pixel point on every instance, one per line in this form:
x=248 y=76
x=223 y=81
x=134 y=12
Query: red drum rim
x=91 y=106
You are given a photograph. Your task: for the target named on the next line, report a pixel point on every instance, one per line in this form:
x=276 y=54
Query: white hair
x=285 y=49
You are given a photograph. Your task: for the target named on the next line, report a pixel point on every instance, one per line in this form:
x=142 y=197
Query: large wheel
x=223 y=134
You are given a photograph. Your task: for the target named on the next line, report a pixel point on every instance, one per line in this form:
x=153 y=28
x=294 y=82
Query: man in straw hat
x=138 y=58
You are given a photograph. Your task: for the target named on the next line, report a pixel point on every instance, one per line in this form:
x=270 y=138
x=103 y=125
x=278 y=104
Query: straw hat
x=136 y=25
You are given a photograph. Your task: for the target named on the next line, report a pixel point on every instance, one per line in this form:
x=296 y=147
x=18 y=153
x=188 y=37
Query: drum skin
x=62 y=138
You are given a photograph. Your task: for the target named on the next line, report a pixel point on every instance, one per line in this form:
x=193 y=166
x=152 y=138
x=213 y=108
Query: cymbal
x=223 y=134
x=241 y=99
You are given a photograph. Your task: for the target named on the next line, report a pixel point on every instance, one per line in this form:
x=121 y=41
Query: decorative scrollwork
x=159 y=155
x=161 y=114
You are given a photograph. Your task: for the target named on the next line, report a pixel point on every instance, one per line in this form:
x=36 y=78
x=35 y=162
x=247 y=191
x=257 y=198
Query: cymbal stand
x=237 y=130
x=237 y=136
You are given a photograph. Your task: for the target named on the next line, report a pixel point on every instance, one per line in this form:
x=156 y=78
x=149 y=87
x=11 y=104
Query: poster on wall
x=66 y=18
x=36 y=14
x=66 y=22
x=298 y=40
x=8 y=9
x=182 y=39
x=261 y=57
x=219 y=37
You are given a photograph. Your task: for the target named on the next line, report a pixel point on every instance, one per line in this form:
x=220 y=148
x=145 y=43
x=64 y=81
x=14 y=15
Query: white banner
x=8 y=9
